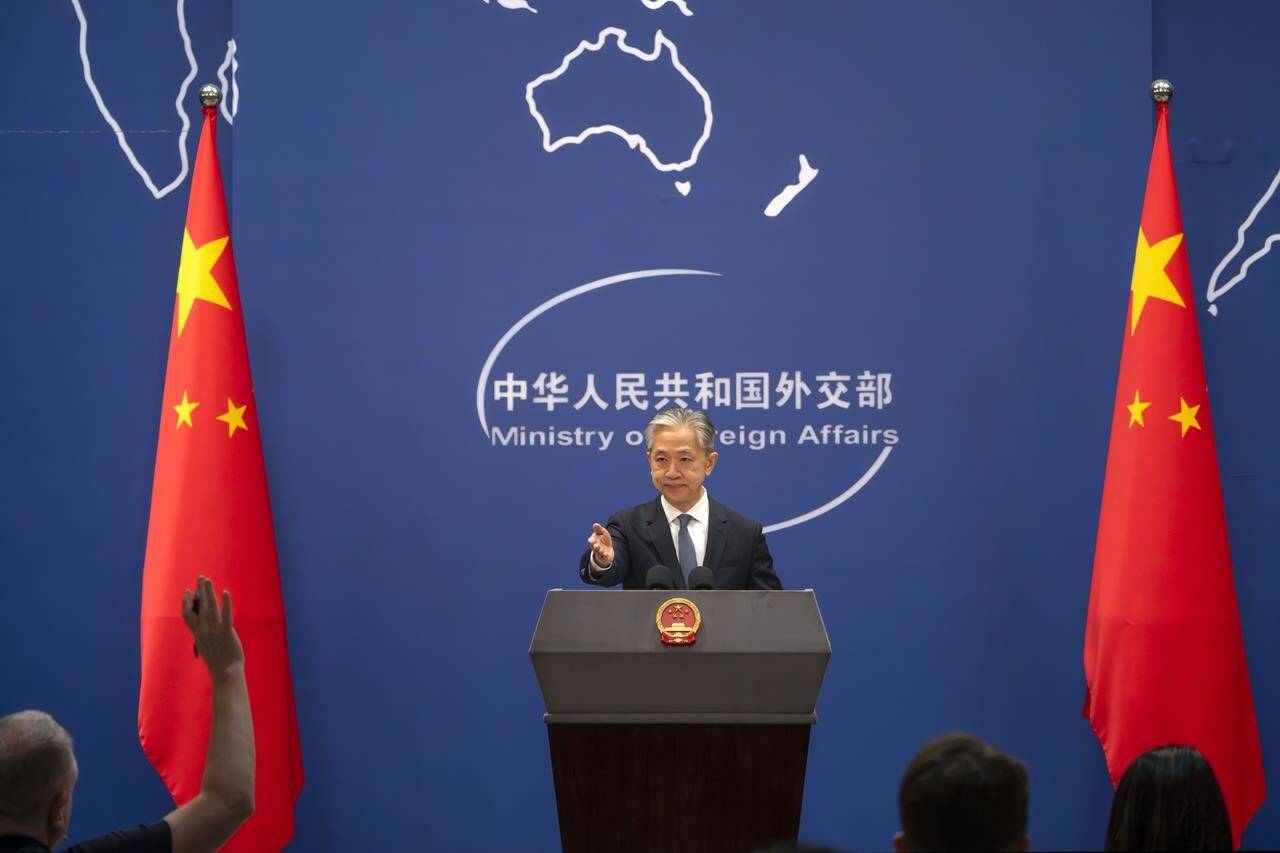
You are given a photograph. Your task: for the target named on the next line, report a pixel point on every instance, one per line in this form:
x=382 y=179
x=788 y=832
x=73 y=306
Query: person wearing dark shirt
x=38 y=768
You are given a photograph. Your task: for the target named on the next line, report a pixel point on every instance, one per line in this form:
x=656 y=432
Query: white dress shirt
x=701 y=512
x=699 y=524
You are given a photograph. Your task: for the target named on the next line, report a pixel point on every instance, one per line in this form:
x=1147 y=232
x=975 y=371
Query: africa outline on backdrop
x=662 y=47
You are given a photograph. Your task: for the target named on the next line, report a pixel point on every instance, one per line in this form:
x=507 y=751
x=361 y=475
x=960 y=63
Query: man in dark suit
x=683 y=528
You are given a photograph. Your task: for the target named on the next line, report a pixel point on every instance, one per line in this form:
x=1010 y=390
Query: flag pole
x=1164 y=648
x=211 y=96
x=1161 y=91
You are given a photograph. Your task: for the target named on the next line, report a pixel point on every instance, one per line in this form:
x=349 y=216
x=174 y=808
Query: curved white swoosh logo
x=633 y=276
x=836 y=501
x=547 y=306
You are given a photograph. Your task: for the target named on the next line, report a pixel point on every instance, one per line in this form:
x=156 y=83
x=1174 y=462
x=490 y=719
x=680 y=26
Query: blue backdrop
x=950 y=289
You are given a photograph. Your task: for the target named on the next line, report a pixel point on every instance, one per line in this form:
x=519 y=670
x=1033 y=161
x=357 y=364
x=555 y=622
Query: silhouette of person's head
x=1169 y=799
x=961 y=793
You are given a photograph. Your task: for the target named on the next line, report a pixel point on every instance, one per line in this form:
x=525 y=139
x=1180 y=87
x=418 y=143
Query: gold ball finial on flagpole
x=1161 y=91
x=210 y=95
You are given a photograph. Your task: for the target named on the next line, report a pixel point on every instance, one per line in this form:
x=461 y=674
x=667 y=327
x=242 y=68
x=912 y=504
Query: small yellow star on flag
x=195 y=276
x=1150 y=281
x=184 y=410
x=1186 y=416
x=234 y=418
x=1136 y=408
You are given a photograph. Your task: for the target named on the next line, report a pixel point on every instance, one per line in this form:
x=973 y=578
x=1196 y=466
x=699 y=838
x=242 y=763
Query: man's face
x=679 y=465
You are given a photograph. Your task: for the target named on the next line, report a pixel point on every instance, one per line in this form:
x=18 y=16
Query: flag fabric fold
x=1164 y=655
x=211 y=515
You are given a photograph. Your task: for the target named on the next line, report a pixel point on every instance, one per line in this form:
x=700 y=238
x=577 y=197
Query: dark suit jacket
x=736 y=552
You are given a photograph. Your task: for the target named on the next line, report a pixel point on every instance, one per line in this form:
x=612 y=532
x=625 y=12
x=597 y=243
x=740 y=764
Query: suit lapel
x=658 y=532
x=718 y=523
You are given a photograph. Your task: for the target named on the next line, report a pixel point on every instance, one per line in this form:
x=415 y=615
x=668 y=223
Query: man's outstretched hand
x=211 y=627
x=601 y=544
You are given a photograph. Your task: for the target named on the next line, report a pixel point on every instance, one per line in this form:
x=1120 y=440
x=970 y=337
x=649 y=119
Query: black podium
x=679 y=748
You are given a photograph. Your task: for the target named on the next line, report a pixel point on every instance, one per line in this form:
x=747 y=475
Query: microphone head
x=701 y=578
x=659 y=577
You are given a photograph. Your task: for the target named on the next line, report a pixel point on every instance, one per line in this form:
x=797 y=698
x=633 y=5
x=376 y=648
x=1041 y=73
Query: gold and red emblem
x=678 y=622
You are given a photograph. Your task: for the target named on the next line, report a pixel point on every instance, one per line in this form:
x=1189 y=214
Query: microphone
x=659 y=577
x=701 y=578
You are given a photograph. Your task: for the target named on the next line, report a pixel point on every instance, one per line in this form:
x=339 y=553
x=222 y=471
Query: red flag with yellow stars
x=1163 y=654
x=210 y=515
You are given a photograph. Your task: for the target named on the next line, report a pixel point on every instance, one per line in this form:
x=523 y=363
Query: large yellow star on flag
x=195 y=276
x=1186 y=416
x=184 y=410
x=234 y=418
x=1136 y=408
x=1150 y=281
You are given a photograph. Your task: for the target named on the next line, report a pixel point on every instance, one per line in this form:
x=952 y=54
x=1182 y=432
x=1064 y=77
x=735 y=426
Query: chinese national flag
x=210 y=515
x=1163 y=654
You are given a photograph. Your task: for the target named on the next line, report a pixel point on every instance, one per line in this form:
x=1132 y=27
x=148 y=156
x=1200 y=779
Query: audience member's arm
x=226 y=791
